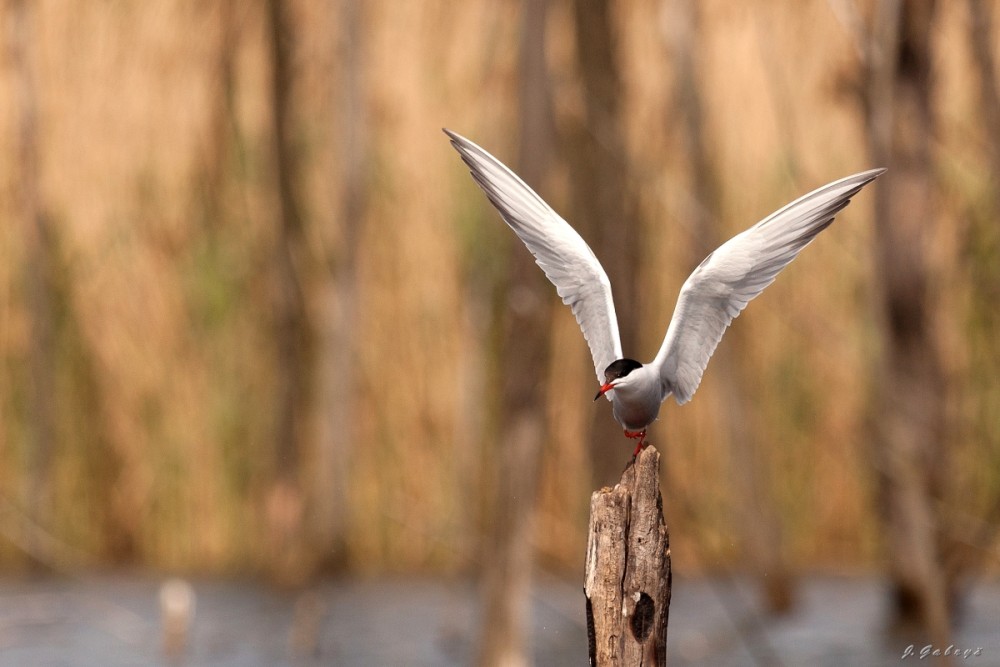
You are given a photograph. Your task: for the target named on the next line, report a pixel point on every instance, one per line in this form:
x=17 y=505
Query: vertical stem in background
x=982 y=33
x=337 y=362
x=222 y=116
x=981 y=248
x=525 y=342
x=759 y=523
x=909 y=403
x=38 y=243
x=604 y=211
x=284 y=503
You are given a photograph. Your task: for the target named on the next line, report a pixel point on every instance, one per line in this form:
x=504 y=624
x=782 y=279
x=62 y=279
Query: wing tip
x=460 y=143
x=870 y=175
x=855 y=182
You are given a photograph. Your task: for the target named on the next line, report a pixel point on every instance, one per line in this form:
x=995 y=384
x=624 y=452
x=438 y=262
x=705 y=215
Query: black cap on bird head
x=618 y=369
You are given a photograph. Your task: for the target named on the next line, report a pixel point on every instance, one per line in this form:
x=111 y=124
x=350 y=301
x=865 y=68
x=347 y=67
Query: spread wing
x=566 y=259
x=736 y=272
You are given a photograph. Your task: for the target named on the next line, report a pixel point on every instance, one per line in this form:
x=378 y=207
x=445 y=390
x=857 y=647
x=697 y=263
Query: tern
x=713 y=295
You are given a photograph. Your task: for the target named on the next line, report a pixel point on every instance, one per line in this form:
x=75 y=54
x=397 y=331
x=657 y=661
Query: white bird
x=712 y=296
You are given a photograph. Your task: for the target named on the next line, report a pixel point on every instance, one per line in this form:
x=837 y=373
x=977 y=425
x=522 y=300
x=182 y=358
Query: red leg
x=641 y=436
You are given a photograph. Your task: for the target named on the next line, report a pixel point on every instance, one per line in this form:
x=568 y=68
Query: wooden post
x=628 y=569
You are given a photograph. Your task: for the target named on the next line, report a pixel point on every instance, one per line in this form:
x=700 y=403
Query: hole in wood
x=641 y=623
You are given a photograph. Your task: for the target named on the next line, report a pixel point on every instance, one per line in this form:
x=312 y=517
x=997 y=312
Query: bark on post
x=628 y=569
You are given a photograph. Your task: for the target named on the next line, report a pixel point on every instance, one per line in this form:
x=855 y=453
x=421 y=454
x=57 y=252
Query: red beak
x=604 y=389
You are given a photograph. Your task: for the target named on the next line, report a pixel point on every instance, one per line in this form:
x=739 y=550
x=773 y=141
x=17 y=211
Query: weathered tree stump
x=628 y=569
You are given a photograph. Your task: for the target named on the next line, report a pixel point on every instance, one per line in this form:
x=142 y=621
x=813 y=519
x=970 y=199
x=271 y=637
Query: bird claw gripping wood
x=641 y=436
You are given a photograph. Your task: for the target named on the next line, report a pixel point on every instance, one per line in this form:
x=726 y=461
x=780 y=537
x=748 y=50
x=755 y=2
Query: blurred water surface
x=114 y=619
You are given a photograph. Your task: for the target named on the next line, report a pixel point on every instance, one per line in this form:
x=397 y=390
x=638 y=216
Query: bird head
x=616 y=373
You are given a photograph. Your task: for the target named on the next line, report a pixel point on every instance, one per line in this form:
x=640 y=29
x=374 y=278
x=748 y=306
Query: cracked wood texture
x=628 y=569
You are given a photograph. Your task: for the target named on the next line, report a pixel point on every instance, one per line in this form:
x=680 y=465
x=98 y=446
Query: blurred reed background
x=249 y=296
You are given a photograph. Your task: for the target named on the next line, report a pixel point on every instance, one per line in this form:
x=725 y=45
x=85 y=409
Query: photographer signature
x=929 y=650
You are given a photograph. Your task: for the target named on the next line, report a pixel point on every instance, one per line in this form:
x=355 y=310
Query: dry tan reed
x=157 y=180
